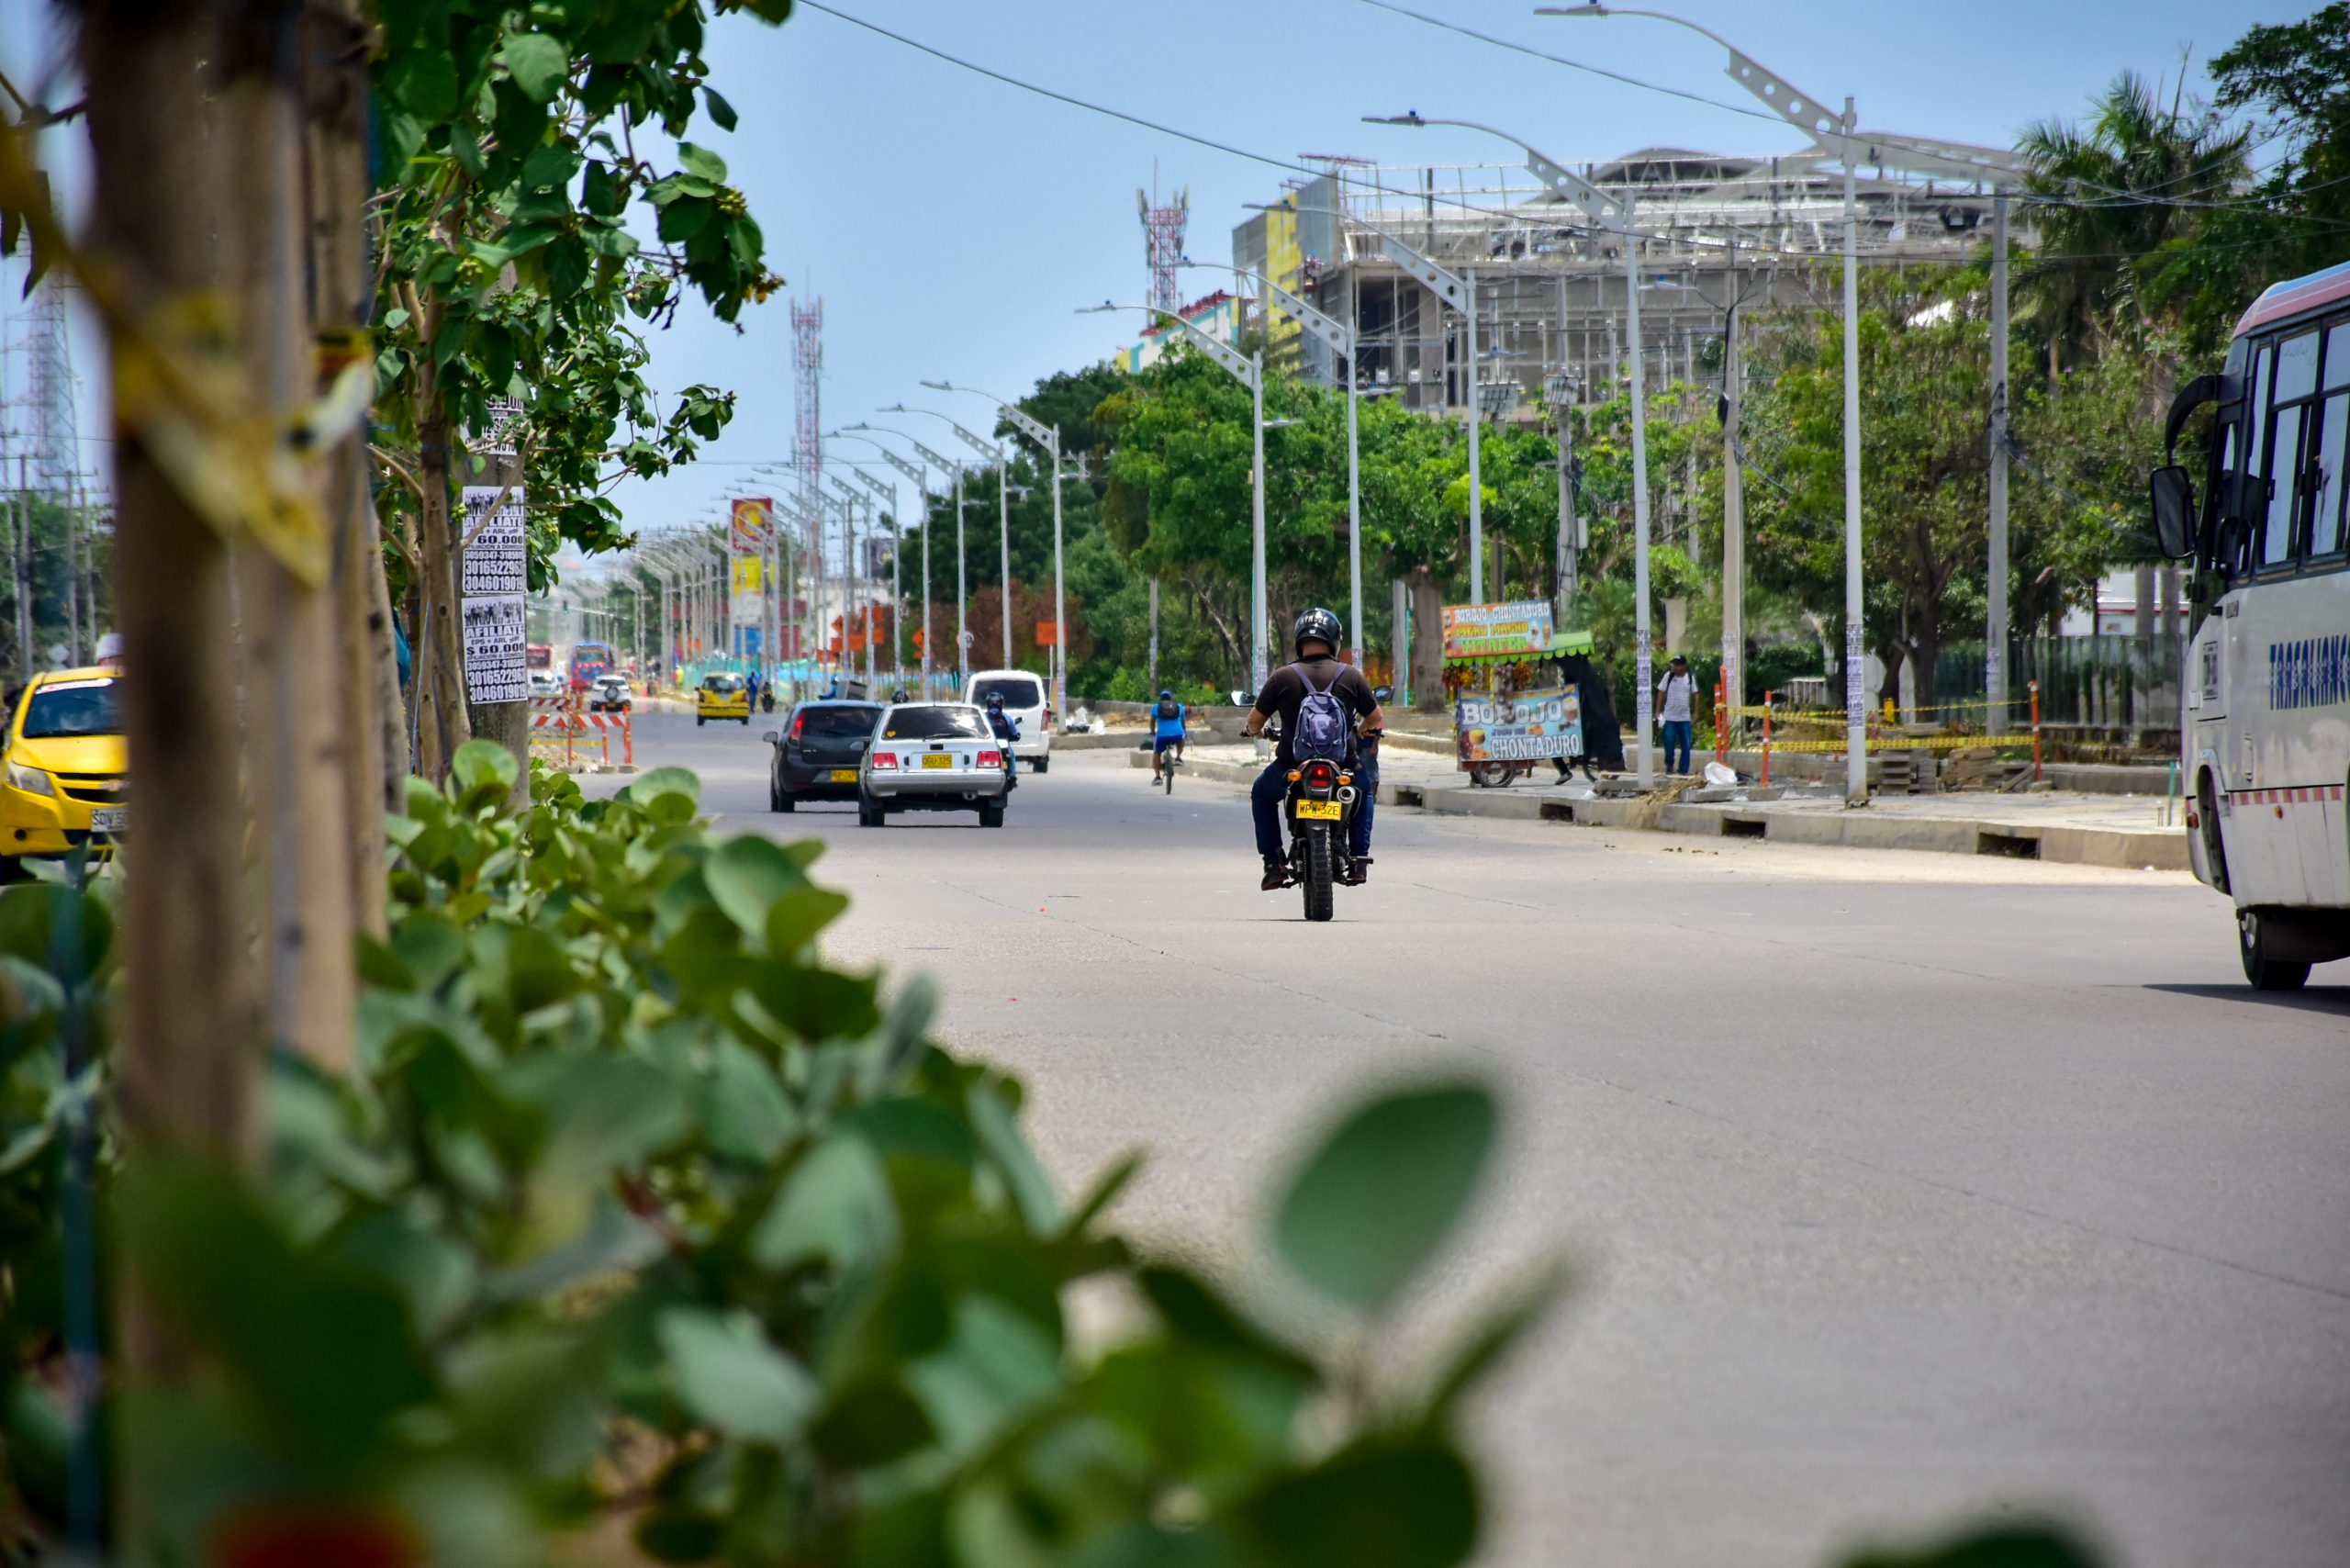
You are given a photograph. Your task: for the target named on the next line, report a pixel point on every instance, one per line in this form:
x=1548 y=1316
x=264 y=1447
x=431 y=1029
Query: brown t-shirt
x=1284 y=694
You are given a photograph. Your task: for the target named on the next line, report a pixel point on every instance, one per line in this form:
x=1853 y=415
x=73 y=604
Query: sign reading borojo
x=1518 y=726
x=1489 y=631
x=496 y=572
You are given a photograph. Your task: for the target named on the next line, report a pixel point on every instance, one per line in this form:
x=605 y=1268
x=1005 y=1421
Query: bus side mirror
x=2172 y=491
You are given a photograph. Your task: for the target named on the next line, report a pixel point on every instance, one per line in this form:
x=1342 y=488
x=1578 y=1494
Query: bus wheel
x=2215 y=849
x=2261 y=972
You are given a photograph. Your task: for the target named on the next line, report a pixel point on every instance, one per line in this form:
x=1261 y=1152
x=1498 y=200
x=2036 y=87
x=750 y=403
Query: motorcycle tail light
x=884 y=762
x=1320 y=775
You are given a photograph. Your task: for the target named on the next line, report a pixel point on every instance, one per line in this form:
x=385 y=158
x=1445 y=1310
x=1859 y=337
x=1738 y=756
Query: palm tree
x=2137 y=178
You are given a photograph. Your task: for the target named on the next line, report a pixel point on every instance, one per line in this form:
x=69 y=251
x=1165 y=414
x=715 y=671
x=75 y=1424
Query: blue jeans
x=1678 y=733
x=1265 y=804
x=1265 y=796
x=1366 y=799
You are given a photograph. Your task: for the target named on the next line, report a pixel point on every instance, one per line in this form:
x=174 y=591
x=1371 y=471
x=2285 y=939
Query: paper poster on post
x=496 y=552
x=1518 y=726
x=496 y=572
x=496 y=658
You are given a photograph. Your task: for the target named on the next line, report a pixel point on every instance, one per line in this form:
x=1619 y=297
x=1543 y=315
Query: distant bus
x=589 y=660
x=538 y=655
x=2264 y=719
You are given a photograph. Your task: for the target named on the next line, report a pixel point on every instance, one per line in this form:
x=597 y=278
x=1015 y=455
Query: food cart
x=1512 y=707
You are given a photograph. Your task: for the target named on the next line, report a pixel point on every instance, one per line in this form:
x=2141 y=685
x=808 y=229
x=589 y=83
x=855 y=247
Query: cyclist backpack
x=1169 y=708
x=1324 y=727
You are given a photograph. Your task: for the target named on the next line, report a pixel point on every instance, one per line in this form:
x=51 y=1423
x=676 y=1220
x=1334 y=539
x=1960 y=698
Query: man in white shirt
x=1674 y=694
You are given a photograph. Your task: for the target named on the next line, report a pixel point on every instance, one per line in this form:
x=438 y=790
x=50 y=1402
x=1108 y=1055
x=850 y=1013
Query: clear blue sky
x=952 y=224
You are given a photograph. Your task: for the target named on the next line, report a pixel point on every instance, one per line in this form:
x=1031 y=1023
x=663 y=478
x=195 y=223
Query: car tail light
x=798 y=720
x=1320 y=776
x=990 y=760
x=1048 y=716
x=884 y=761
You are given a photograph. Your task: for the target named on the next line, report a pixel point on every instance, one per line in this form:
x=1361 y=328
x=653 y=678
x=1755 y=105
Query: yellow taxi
x=66 y=766
x=722 y=696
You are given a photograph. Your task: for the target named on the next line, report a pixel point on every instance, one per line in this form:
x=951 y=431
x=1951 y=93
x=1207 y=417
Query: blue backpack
x=1325 y=728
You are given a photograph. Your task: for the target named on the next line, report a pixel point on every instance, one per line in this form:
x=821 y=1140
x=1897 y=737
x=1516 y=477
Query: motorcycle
x=1318 y=811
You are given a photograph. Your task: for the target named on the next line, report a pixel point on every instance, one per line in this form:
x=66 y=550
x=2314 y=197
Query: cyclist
x=1316 y=638
x=1167 y=731
x=1007 y=730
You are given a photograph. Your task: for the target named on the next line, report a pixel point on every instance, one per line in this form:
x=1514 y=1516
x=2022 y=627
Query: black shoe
x=1276 y=877
x=1358 y=872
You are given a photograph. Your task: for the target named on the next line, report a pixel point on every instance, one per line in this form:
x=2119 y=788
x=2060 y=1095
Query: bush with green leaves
x=636 y=1208
x=637 y=1218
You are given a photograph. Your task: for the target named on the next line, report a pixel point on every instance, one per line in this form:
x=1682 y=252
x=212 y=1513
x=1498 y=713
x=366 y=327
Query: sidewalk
x=2078 y=829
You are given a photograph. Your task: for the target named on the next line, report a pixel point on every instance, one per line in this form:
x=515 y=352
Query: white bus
x=2264 y=719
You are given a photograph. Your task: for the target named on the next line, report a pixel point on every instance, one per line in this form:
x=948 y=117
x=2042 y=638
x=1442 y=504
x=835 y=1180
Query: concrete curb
x=2056 y=843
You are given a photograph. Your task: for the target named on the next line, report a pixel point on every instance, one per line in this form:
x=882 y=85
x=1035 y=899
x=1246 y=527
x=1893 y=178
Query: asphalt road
x=1903 y=1188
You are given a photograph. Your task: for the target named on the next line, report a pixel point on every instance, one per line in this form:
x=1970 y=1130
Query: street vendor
x=1603 y=737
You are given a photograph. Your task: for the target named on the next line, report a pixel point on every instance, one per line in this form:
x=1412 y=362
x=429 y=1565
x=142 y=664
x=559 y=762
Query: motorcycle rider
x=1007 y=731
x=1315 y=637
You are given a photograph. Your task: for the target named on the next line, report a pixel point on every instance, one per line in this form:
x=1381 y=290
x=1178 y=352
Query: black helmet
x=995 y=700
x=1317 y=625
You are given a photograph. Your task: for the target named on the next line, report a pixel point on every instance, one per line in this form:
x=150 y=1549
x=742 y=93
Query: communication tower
x=1162 y=228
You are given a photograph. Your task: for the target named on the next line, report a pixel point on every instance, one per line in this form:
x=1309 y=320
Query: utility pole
x=1570 y=558
x=1257 y=665
x=1003 y=552
x=962 y=591
x=1154 y=635
x=1856 y=707
x=20 y=572
x=1995 y=621
x=1733 y=502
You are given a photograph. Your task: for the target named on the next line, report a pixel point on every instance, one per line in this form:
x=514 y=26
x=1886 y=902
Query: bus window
x=2277 y=528
x=2252 y=498
x=2333 y=432
x=2297 y=367
x=2337 y=357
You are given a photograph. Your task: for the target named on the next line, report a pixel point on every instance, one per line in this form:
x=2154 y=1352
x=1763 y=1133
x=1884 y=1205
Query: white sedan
x=933 y=756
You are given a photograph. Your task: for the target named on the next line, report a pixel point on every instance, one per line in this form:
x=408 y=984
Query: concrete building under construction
x=1550 y=287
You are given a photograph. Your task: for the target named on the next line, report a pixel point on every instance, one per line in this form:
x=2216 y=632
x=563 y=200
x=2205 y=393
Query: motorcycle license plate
x=939 y=760
x=111 y=819
x=1318 y=811
x=843 y=774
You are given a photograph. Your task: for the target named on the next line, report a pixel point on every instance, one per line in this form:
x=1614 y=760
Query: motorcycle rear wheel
x=1319 y=879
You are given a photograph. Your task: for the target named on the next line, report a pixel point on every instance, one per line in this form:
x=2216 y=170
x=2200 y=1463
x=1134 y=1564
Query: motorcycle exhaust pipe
x=1346 y=797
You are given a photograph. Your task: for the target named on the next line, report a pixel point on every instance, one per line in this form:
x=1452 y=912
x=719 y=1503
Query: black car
x=818 y=750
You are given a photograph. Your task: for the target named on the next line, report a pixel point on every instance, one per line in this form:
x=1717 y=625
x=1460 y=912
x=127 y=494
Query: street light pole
x=1461 y=294
x=946 y=466
x=1249 y=373
x=1340 y=337
x=1049 y=438
x=1856 y=706
x=1616 y=214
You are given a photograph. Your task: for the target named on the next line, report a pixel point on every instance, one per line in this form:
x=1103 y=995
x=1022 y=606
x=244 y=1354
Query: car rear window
x=838 y=723
x=939 y=723
x=1017 y=691
x=723 y=683
x=73 y=708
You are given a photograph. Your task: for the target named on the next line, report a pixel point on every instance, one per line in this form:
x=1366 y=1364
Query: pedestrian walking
x=1675 y=694
x=1603 y=737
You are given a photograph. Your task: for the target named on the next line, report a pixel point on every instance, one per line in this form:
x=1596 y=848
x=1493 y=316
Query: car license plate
x=939 y=760
x=111 y=819
x=843 y=774
x=1318 y=811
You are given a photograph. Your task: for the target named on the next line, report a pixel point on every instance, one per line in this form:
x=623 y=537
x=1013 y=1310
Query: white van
x=1025 y=704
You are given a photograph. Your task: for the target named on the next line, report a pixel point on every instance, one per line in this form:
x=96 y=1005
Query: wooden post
x=187 y=1051
x=334 y=56
x=292 y=735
